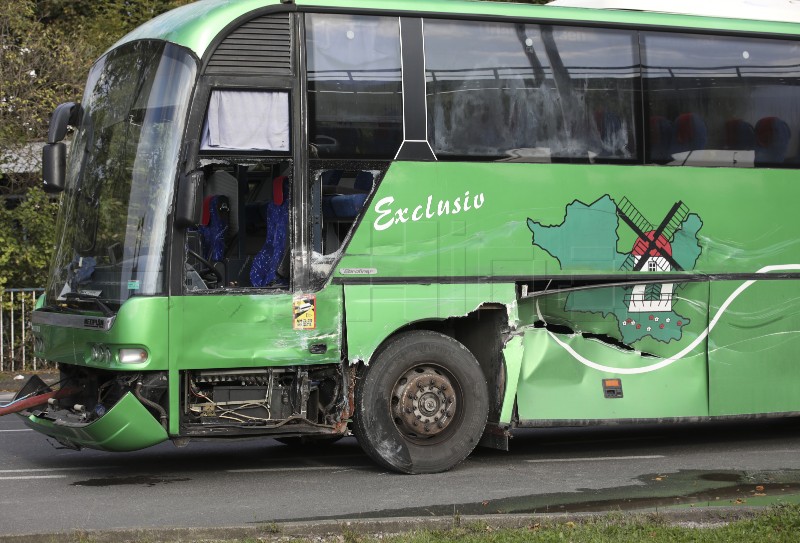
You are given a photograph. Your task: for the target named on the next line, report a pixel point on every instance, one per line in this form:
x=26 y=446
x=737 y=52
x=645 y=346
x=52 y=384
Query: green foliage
x=47 y=49
x=27 y=240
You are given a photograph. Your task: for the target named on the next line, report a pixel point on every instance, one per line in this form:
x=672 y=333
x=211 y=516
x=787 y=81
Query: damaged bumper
x=127 y=426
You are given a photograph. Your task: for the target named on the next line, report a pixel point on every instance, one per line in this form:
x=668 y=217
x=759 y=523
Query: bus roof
x=197 y=24
x=762 y=10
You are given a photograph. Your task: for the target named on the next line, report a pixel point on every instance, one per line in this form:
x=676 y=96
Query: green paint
x=753 y=349
x=553 y=385
x=495 y=239
x=140 y=322
x=374 y=312
x=251 y=330
x=128 y=426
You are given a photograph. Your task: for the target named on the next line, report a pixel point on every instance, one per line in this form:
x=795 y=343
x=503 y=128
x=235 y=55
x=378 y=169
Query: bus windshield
x=111 y=231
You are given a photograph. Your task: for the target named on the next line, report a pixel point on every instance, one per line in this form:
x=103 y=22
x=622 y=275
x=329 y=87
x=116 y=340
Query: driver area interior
x=242 y=240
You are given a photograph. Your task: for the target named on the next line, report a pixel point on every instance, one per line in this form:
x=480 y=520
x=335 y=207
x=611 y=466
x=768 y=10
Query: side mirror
x=54 y=153
x=65 y=114
x=54 y=166
x=189 y=205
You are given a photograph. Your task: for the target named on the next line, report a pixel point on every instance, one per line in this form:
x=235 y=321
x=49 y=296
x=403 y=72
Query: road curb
x=276 y=531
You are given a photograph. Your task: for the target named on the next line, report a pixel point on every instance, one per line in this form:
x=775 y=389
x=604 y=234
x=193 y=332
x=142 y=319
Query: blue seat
x=348 y=206
x=772 y=140
x=689 y=133
x=660 y=139
x=214 y=227
x=739 y=135
x=613 y=138
x=264 y=271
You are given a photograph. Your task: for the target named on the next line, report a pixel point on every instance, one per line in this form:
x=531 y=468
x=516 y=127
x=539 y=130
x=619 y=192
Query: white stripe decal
x=689 y=348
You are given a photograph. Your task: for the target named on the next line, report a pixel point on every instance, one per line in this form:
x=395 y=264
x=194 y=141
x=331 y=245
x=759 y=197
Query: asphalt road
x=209 y=484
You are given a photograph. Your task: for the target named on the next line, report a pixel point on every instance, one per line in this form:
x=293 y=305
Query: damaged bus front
x=103 y=317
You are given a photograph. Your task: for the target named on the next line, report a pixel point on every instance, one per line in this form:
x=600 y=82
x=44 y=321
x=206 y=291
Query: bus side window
x=344 y=194
x=355 y=89
x=531 y=93
x=721 y=101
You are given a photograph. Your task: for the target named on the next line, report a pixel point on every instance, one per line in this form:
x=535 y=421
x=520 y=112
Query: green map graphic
x=588 y=240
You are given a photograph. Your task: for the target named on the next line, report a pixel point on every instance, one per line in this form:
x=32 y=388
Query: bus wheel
x=422 y=405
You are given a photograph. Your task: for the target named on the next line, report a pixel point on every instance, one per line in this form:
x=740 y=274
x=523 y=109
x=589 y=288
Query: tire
x=422 y=404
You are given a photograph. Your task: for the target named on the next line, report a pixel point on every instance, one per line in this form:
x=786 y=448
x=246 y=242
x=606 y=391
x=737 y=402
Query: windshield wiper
x=83 y=297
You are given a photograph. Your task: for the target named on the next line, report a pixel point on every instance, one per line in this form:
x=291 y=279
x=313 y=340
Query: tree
x=47 y=49
x=26 y=240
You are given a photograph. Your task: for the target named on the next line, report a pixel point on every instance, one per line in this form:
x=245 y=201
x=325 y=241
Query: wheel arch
x=483 y=332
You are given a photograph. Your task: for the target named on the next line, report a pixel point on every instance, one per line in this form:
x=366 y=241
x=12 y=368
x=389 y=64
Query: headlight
x=132 y=356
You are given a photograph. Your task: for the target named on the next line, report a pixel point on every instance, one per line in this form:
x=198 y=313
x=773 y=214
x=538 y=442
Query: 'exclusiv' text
x=388 y=216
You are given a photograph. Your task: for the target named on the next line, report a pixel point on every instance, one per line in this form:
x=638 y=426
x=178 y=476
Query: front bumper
x=127 y=426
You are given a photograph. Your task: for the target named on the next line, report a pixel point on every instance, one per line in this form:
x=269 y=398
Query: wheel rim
x=425 y=404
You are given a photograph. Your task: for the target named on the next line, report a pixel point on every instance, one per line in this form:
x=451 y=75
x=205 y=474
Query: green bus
x=425 y=222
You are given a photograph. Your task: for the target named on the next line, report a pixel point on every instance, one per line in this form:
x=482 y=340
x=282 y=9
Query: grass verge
x=780 y=523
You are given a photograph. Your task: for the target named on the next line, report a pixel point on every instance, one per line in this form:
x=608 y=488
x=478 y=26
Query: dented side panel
x=658 y=357
x=249 y=330
x=374 y=312
x=254 y=330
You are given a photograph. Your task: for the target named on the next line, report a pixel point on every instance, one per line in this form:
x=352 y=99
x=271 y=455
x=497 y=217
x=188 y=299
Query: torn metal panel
x=374 y=312
x=614 y=315
x=513 y=353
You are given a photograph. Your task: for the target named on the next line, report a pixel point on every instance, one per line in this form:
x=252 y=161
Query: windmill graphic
x=652 y=252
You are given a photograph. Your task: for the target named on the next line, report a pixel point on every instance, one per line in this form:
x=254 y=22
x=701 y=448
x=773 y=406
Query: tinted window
x=720 y=101
x=518 y=92
x=354 y=86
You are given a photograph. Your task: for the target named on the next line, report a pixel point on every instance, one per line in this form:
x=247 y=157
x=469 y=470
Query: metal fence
x=16 y=340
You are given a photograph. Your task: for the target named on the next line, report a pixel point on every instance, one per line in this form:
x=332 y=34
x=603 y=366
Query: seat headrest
x=279 y=185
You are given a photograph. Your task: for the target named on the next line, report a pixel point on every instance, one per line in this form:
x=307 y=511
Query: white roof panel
x=763 y=10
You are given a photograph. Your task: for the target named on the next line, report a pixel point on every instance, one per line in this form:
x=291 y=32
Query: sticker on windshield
x=133 y=285
x=305 y=312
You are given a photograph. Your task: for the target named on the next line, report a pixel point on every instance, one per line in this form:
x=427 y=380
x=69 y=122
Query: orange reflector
x=611 y=383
